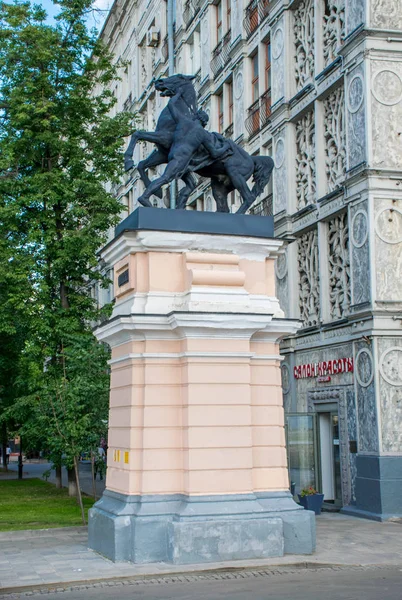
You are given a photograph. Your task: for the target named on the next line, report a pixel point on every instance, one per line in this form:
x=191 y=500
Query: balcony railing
x=256 y=12
x=259 y=114
x=252 y=122
x=197 y=82
x=265 y=107
x=220 y=54
x=263 y=208
x=191 y=9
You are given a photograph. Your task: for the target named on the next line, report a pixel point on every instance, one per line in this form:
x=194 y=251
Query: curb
x=22 y=534
x=143 y=578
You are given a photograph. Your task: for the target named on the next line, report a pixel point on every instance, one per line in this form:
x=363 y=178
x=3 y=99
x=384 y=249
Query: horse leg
x=157 y=157
x=240 y=183
x=185 y=193
x=220 y=194
x=174 y=167
x=155 y=137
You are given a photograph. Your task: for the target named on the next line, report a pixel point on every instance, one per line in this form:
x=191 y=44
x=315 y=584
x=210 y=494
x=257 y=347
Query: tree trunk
x=93 y=475
x=79 y=496
x=4 y=446
x=59 y=479
x=72 y=483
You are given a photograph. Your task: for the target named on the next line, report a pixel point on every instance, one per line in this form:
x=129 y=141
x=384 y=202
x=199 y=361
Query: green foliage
x=35 y=504
x=60 y=148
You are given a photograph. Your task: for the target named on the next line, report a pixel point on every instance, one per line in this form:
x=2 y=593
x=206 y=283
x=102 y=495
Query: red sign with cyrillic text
x=323 y=368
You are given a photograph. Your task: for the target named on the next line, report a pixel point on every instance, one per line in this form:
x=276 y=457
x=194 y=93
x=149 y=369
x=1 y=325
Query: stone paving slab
x=60 y=556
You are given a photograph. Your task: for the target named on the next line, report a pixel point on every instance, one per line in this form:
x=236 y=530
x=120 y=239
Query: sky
x=94 y=20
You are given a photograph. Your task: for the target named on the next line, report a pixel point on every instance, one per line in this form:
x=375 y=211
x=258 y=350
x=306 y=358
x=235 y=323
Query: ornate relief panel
x=279 y=184
x=335 y=139
x=356 y=116
x=360 y=268
x=386 y=108
x=390 y=383
x=365 y=395
x=305 y=160
x=309 y=301
x=334 y=29
x=355 y=14
x=388 y=249
x=339 y=266
x=386 y=14
x=278 y=61
x=238 y=105
x=282 y=282
x=303 y=27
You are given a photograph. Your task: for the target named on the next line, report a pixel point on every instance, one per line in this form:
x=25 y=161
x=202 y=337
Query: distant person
x=8 y=454
x=99 y=463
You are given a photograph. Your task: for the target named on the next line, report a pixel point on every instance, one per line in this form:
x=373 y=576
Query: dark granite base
x=193 y=221
x=188 y=530
x=378 y=488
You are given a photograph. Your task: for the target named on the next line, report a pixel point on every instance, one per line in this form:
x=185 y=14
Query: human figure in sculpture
x=189 y=135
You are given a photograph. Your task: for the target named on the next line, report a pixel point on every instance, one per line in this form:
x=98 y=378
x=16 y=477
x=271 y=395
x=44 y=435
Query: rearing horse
x=162 y=137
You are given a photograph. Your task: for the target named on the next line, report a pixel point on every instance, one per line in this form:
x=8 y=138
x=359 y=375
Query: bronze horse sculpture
x=180 y=143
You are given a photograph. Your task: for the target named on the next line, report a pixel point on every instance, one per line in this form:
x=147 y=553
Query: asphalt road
x=321 y=584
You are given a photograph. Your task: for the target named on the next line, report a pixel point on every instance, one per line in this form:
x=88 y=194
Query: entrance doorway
x=330 y=464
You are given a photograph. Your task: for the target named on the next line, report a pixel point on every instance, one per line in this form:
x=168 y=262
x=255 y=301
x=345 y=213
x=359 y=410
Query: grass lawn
x=35 y=504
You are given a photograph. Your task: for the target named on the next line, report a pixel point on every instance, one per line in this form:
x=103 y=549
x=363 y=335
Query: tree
x=60 y=150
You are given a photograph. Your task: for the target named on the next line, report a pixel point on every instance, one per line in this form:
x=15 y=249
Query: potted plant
x=310 y=499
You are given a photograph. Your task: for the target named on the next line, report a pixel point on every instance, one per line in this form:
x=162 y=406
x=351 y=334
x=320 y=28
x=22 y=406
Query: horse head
x=169 y=86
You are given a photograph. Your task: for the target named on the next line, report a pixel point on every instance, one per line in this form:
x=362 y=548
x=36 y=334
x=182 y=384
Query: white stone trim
x=250 y=248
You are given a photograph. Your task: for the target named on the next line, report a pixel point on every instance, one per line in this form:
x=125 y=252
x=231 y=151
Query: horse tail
x=263 y=167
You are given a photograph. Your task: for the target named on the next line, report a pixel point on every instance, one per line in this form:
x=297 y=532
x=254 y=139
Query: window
x=228 y=14
x=218 y=22
x=230 y=102
x=255 y=80
x=220 y=113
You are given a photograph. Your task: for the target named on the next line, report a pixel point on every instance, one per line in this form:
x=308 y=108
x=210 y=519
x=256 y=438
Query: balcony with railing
x=263 y=208
x=255 y=13
x=220 y=54
x=128 y=103
x=259 y=114
x=252 y=122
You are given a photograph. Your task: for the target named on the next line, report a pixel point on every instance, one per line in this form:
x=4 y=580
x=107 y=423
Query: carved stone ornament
x=386 y=87
x=305 y=160
x=285 y=378
x=239 y=87
x=339 y=266
x=309 y=302
x=391 y=366
x=281 y=266
x=303 y=26
x=277 y=43
x=388 y=225
x=335 y=139
x=334 y=29
x=364 y=367
x=279 y=153
x=355 y=93
x=359 y=228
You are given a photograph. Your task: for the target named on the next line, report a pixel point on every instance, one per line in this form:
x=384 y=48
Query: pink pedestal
x=197 y=466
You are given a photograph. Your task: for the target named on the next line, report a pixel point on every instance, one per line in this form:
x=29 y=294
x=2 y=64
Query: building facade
x=317 y=85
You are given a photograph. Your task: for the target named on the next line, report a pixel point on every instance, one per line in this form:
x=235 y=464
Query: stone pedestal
x=197 y=467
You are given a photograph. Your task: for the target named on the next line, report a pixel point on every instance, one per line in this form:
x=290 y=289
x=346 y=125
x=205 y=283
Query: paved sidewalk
x=60 y=556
